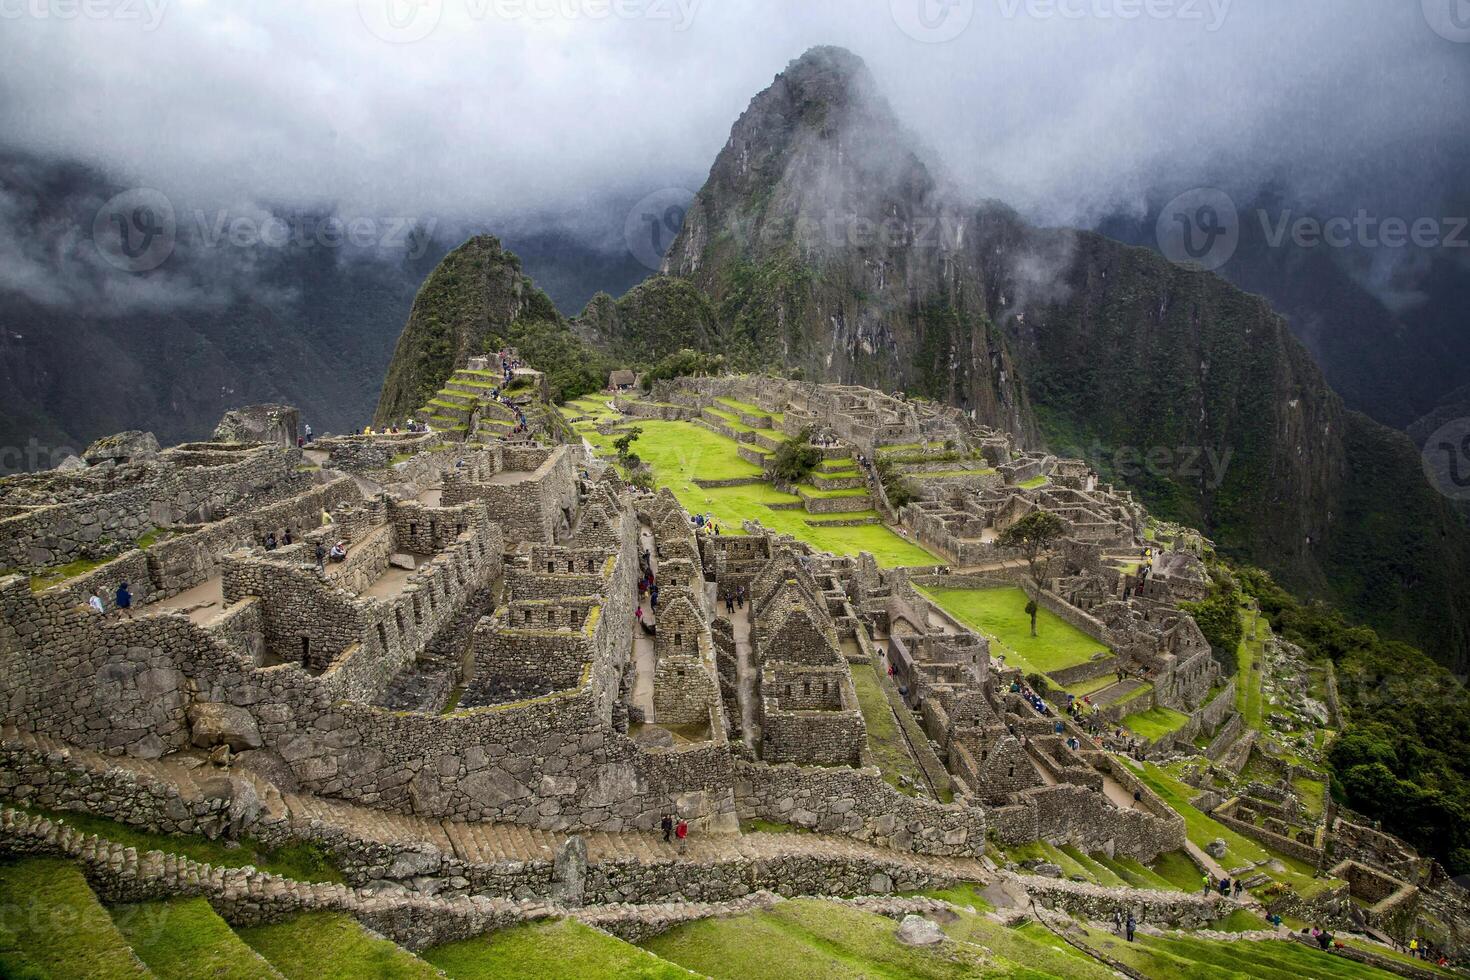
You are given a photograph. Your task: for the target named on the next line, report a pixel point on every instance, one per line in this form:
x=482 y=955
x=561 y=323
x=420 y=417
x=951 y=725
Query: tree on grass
x=1035 y=536
x=623 y=444
x=795 y=458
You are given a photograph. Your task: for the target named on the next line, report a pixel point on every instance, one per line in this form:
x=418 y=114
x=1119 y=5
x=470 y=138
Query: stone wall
x=858 y=804
x=139 y=497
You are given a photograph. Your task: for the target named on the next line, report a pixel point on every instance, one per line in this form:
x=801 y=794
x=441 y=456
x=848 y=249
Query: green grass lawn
x=331 y=946
x=1084 y=688
x=806 y=939
x=563 y=949
x=1001 y=614
x=301 y=862
x=1155 y=723
x=1187 y=958
x=53 y=925
x=680 y=452
x=1033 y=483
x=1250 y=665
x=885 y=741
x=184 y=938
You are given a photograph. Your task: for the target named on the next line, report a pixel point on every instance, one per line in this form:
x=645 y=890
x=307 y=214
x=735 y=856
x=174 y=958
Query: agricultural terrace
x=681 y=452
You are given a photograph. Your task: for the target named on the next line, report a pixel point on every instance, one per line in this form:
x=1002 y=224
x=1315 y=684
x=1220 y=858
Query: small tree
x=795 y=458
x=623 y=444
x=1034 y=536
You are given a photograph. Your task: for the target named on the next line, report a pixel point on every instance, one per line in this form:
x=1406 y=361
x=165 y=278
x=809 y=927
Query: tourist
x=95 y=601
x=1414 y=948
x=270 y=541
x=1225 y=887
x=124 y=600
x=286 y=539
x=338 y=552
x=681 y=831
x=1117 y=922
x=729 y=604
x=1207 y=884
x=321 y=556
x=308 y=432
x=740 y=597
x=653 y=596
x=638 y=614
x=1239 y=887
x=1131 y=925
x=667 y=825
x=326 y=517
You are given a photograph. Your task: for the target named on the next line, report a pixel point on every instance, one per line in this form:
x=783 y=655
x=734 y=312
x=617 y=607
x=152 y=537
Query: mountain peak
x=828 y=75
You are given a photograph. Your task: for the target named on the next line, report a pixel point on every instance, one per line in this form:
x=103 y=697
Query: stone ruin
x=482 y=664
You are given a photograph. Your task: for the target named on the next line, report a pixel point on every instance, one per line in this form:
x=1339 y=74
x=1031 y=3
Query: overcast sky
x=503 y=108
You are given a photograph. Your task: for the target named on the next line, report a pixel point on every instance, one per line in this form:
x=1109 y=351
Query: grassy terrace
x=560 y=950
x=184 y=937
x=331 y=946
x=1185 y=958
x=1155 y=723
x=805 y=938
x=55 y=927
x=1001 y=615
x=886 y=742
x=1250 y=664
x=681 y=452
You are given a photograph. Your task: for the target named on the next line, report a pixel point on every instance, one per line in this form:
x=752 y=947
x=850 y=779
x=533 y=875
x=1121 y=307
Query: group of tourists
x=1032 y=698
x=305 y=436
x=734 y=599
x=271 y=542
x=1225 y=886
x=705 y=524
x=1124 y=927
x=122 y=601
x=674 y=829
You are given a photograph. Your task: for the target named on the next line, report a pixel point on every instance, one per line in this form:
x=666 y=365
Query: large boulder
x=276 y=424
x=123 y=447
x=212 y=724
x=915 y=930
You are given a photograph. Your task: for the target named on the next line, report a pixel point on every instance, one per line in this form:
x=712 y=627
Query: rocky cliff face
x=466 y=306
x=824 y=242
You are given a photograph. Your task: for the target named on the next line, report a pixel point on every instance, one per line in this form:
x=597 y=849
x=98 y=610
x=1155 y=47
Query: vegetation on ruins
x=1218 y=614
x=794 y=460
x=684 y=363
